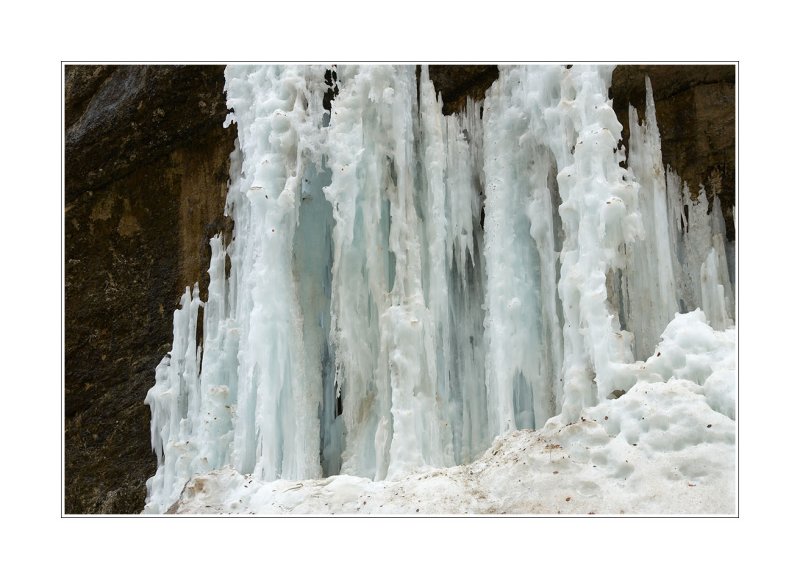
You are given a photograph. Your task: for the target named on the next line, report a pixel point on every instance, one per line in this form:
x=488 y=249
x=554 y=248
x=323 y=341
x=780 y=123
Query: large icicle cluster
x=682 y=262
x=405 y=286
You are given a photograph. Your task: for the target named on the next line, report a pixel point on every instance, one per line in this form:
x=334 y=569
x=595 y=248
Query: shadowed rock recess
x=147 y=164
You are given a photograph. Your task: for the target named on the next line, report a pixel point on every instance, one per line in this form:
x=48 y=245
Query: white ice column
x=362 y=270
x=418 y=432
x=649 y=301
x=174 y=406
x=437 y=239
x=450 y=209
x=464 y=183
x=382 y=330
x=214 y=433
x=713 y=292
x=277 y=426
x=719 y=242
x=517 y=397
x=598 y=215
x=541 y=121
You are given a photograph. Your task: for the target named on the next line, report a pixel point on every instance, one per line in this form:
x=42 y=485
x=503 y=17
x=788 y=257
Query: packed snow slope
x=406 y=290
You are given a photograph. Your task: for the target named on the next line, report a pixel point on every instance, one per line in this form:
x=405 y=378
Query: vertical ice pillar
x=214 y=422
x=405 y=199
x=713 y=292
x=419 y=433
x=517 y=397
x=703 y=240
x=719 y=243
x=173 y=402
x=435 y=255
x=276 y=432
x=465 y=270
x=523 y=327
x=449 y=209
x=363 y=271
x=540 y=121
x=598 y=214
x=312 y=261
x=650 y=288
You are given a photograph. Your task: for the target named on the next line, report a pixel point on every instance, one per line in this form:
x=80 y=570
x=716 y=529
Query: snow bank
x=663 y=447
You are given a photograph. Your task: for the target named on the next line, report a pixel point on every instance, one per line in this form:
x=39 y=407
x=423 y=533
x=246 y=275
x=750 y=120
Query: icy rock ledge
x=664 y=447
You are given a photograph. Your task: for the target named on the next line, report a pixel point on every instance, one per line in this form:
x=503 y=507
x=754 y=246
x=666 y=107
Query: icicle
x=173 y=402
x=363 y=267
x=465 y=366
x=720 y=244
x=713 y=293
x=702 y=231
x=650 y=292
x=513 y=323
x=571 y=121
x=437 y=244
x=598 y=213
x=214 y=421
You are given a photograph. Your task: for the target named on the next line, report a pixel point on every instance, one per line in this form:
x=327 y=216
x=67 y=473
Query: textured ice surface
x=404 y=287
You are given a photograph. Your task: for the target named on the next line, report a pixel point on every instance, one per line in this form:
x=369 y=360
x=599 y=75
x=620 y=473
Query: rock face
x=146 y=177
x=146 y=173
x=695 y=107
x=457 y=83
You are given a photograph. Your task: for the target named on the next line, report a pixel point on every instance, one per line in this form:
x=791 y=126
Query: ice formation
x=405 y=286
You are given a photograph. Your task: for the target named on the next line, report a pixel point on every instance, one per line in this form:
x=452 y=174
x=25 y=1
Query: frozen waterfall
x=403 y=286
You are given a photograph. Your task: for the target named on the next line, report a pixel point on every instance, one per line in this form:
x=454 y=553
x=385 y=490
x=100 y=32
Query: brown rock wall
x=142 y=199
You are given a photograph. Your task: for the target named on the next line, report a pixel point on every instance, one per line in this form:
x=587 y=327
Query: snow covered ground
x=667 y=446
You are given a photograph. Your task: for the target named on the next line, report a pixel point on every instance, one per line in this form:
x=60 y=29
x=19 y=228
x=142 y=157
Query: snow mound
x=667 y=446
